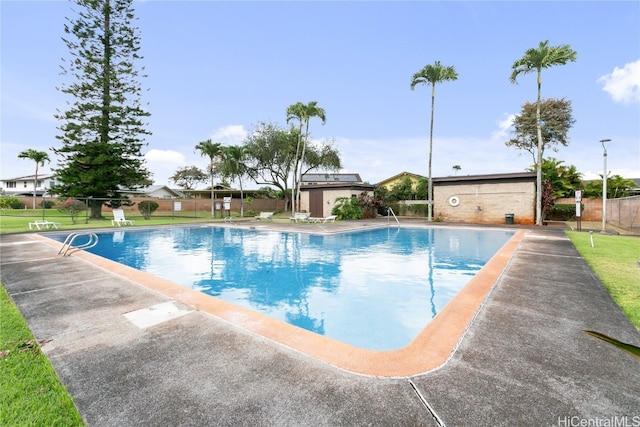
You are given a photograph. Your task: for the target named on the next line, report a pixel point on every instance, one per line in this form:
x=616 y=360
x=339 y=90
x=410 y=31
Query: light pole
x=604 y=186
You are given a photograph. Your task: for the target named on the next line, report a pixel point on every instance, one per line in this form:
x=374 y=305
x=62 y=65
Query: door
x=315 y=203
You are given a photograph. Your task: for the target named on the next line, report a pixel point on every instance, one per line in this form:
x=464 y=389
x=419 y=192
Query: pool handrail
x=392 y=213
x=68 y=248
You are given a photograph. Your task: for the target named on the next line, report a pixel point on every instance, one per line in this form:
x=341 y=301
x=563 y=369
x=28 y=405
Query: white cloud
x=163 y=164
x=623 y=84
x=229 y=135
x=504 y=128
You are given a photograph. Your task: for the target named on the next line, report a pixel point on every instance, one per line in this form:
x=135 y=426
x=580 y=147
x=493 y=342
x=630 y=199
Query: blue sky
x=216 y=69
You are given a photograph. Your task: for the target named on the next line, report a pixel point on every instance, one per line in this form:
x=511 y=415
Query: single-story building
x=319 y=191
x=158 y=191
x=486 y=199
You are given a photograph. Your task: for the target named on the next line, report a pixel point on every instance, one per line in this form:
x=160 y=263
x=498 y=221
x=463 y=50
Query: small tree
x=188 y=177
x=72 y=207
x=556 y=121
x=369 y=205
x=147 y=207
x=548 y=199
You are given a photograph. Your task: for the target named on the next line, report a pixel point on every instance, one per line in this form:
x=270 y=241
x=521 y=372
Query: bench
x=47 y=225
x=265 y=215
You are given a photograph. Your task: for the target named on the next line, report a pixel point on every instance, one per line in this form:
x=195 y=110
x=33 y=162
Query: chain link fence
x=624 y=213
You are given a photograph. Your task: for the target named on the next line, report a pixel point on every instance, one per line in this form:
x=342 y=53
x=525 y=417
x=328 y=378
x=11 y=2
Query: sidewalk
x=524 y=360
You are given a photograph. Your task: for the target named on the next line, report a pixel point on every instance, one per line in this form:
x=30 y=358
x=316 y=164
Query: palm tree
x=456 y=169
x=544 y=56
x=39 y=157
x=296 y=112
x=303 y=113
x=213 y=151
x=234 y=166
x=430 y=75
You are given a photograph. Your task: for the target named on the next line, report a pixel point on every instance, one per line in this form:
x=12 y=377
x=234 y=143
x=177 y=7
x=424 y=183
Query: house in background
x=23 y=186
x=390 y=182
x=158 y=191
x=319 y=191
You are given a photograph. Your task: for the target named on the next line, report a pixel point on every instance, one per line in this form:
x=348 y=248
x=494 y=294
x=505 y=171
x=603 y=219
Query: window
x=11 y=184
x=38 y=184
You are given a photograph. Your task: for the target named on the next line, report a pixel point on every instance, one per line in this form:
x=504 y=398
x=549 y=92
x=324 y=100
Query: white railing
x=68 y=248
x=389 y=217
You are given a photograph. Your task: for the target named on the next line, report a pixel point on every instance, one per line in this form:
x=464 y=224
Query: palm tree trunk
x=539 y=159
x=294 y=204
x=35 y=184
x=304 y=146
x=213 y=209
x=430 y=183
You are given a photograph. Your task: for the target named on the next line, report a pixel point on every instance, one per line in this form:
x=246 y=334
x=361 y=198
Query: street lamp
x=604 y=186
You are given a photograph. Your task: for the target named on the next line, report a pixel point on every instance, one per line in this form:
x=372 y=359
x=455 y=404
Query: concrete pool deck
x=524 y=359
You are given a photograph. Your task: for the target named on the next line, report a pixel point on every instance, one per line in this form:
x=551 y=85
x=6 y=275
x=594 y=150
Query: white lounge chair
x=119 y=219
x=265 y=215
x=330 y=218
x=48 y=225
x=300 y=217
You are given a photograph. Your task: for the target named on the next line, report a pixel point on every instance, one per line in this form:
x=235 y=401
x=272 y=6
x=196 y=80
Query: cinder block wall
x=485 y=203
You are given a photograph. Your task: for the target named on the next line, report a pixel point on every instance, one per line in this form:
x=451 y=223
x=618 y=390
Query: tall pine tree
x=103 y=129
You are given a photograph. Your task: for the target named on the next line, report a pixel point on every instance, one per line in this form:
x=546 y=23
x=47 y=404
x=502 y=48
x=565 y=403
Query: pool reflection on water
x=373 y=289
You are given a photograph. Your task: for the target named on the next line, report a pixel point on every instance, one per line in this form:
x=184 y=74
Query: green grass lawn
x=32 y=395
x=17 y=220
x=614 y=259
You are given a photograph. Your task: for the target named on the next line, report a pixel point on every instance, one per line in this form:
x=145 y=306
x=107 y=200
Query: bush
x=147 y=207
x=563 y=212
x=347 y=208
x=47 y=204
x=72 y=207
x=10 y=203
x=369 y=205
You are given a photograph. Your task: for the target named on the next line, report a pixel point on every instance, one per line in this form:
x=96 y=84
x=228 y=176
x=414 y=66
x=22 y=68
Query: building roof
x=331 y=177
x=28 y=177
x=517 y=176
x=338 y=185
x=398 y=176
x=151 y=189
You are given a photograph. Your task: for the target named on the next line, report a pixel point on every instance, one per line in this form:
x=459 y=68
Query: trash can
x=508 y=218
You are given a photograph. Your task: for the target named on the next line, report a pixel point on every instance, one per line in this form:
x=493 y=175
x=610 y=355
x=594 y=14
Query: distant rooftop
x=331 y=177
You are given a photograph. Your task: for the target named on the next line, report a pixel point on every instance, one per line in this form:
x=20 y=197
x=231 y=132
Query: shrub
x=47 y=204
x=369 y=205
x=347 y=208
x=147 y=207
x=563 y=212
x=72 y=207
x=10 y=203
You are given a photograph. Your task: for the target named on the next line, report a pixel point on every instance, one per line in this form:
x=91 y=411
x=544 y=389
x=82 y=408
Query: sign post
x=578 y=206
x=227 y=205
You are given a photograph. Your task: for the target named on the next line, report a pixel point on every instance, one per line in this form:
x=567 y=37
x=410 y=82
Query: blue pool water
x=373 y=289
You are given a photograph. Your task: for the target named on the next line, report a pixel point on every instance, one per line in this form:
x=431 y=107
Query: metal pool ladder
x=392 y=213
x=68 y=248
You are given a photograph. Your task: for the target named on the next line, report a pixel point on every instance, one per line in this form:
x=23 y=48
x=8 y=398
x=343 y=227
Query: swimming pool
x=373 y=289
